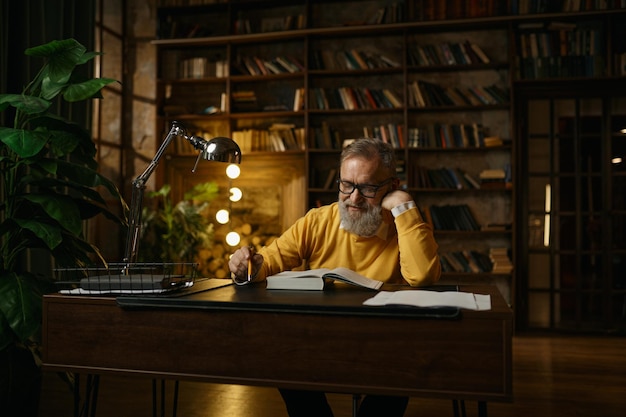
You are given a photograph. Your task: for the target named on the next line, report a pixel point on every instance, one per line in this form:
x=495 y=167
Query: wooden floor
x=552 y=376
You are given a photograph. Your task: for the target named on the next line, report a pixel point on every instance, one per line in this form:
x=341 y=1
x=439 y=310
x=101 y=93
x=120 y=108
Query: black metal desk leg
x=162 y=404
x=482 y=408
x=92 y=385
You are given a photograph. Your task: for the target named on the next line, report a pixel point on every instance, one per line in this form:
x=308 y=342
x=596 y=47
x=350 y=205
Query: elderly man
x=374 y=229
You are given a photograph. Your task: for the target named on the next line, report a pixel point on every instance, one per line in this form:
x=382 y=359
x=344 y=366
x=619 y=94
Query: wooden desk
x=315 y=340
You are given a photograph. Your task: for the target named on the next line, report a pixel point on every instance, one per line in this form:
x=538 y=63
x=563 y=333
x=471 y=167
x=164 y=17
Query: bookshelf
x=435 y=79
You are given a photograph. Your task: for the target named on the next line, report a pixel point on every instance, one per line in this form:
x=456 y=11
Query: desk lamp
x=219 y=149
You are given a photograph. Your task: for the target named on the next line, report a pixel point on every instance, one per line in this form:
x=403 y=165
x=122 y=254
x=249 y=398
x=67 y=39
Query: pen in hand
x=251 y=255
x=250 y=268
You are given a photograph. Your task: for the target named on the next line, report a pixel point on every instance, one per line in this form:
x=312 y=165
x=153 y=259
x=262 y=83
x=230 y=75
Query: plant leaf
x=60 y=208
x=25 y=103
x=63 y=56
x=86 y=89
x=62 y=143
x=20 y=305
x=25 y=143
x=49 y=234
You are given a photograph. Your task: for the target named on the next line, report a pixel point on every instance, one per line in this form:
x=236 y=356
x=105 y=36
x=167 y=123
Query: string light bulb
x=235 y=194
x=222 y=216
x=233 y=171
x=233 y=238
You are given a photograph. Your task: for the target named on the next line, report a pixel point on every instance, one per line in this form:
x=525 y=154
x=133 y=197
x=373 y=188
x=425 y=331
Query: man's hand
x=395 y=198
x=244 y=264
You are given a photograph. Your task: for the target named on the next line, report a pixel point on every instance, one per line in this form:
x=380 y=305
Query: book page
x=423 y=298
x=308 y=279
x=319 y=273
x=351 y=277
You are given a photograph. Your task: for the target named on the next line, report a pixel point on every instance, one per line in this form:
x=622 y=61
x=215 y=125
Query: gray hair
x=371 y=148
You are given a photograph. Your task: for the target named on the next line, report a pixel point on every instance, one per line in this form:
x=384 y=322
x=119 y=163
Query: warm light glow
x=235 y=194
x=233 y=238
x=233 y=171
x=623 y=131
x=616 y=160
x=222 y=216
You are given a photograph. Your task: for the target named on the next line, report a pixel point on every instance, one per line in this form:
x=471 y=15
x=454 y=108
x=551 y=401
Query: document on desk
x=124 y=291
x=430 y=299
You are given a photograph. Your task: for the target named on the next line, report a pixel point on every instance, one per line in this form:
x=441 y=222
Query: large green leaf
x=74 y=252
x=25 y=103
x=48 y=233
x=85 y=150
x=79 y=191
x=62 y=143
x=25 y=143
x=62 y=56
x=60 y=208
x=20 y=304
x=86 y=176
x=86 y=89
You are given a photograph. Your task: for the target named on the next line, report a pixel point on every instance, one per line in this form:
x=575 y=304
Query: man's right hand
x=244 y=264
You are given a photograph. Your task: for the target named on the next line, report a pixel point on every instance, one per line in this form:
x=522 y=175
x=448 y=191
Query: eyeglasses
x=366 y=190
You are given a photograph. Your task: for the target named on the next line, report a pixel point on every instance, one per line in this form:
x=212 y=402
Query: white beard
x=365 y=224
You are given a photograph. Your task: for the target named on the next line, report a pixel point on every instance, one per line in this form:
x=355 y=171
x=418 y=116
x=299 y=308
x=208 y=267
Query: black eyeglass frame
x=369 y=193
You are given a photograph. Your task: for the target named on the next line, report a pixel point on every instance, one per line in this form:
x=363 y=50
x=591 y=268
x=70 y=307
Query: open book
x=314 y=279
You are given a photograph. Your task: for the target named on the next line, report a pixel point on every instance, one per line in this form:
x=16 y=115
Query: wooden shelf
x=497 y=35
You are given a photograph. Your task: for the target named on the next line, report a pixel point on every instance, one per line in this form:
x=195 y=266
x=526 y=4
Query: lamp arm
x=136 y=203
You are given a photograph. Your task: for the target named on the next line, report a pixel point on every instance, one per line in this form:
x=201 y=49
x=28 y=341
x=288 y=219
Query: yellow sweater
x=408 y=254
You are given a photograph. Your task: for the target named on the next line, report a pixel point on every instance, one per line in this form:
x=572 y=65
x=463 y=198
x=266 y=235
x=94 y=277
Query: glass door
x=571 y=226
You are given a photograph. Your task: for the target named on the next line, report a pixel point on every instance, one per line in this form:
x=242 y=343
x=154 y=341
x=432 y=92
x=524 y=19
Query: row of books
x=325 y=137
x=351 y=59
x=427 y=94
x=443 y=177
x=426 y=10
x=253 y=65
x=180 y=30
x=444 y=135
x=463 y=136
x=244 y=26
x=452 y=217
x=459 y=179
x=279 y=137
x=561 y=67
x=459 y=9
x=352 y=98
x=244 y=100
x=392 y=13
x=468 y=261
x=569 y=41
x=202 y=67
x=389 y=133
x=447 y=53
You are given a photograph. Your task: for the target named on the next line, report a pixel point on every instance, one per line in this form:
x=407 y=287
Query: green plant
x=50 y=185
x=175 y=233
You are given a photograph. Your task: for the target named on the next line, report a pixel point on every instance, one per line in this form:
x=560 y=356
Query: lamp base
x=124 y=282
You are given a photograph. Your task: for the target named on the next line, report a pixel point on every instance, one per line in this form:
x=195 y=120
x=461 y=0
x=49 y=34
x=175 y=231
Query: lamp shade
x=219 y=149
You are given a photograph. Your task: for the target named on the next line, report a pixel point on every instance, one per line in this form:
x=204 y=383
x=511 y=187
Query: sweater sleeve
x=285 y=252
x=419 y=260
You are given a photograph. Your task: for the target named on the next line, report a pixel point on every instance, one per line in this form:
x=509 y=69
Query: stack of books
x=500 y=260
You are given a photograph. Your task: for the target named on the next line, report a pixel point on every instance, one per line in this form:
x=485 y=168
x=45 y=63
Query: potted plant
x=177 y=232
x=49 y=186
